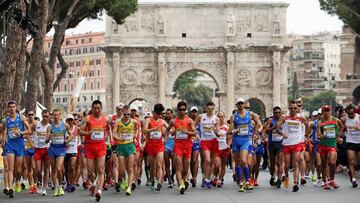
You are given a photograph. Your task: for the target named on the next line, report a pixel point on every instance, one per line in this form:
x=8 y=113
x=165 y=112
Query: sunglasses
x=293 y=108
x=30 y=115
x=182 y=109
x=221 y=116
x=126 y=114
x=246 y=107
x=45 y=116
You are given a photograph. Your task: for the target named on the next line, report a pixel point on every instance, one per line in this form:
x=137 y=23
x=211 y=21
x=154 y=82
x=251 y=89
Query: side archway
x=356 y=95
x=257 y=106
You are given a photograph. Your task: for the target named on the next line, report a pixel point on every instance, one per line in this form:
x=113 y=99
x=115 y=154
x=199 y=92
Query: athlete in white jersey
x=352 y=123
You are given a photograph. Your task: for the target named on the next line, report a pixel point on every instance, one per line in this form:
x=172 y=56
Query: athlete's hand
x=357 y=127
x=285 y=135
x=135 y=142
x=17 y=132
x=339 y=140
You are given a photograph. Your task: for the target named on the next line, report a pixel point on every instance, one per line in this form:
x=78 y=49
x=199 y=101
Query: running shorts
x=239 y=145
x=260 y=150
x=325 y=150
x=353 y=147
x=290 y=149
x=196 y=146
x=224 y=153
x=125 y=150
x=15 y=148
x=29 y=152
x=183 y=150
x=169 y=145
x=275 y=148
x=210 y=145
x=69 y=156
x=95 y=150
x=41 y=154
x=154 y=149
x=55 y=152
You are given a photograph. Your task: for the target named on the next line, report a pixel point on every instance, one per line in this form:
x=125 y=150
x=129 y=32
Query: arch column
x=230 y=92
x=276 y=59
x=162 y=75
x=116 y=80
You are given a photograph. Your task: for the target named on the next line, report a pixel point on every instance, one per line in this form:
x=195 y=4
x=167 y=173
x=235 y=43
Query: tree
x=185 y=79
x=196 y=95
x=313 y=103
x=347 y=10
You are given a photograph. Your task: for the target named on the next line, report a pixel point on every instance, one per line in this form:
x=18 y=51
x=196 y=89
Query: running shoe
x=128 y=191
x=203 y=183
x=92 y=190
x=61 y=191
x=272 y=180
x=256 y=183
x=105 y=186
x=186 y=184
x=303 y=181
x=208 y=185
x=286 y=182
x=23 y=186
x=43 y=193
x=123 y=185
x=313 y=177
x=333 y=184
x=295 y=187
x=248 y=186
x=17 y=187
x=241 y=187
x=354 y=184
x=234 y=177
x=278 y=183
x=214 y=182
x=133 y=186
x=182 y=187
x=307 y=176
x=139 y=181
x=158 y=186
x=218 y=184
x=56 y=192
x=6 y=191
x=117 y=187
x=193 y=182
x=152 y=186
x=11 y=193
x=170 y=185
x=327 y=186
x=98 y=196
x=148 y=182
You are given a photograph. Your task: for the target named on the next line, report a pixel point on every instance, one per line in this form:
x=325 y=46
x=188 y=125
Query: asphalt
x=228 y=193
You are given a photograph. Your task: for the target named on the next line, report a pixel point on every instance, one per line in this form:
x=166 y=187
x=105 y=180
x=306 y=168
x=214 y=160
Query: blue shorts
x=316 y=147
x=239 y=145
x=14 y=148
x=3 y=152
x=55 y=152
x=196 y=146
x=29 y=152
x=260 y=150
x=169 y=145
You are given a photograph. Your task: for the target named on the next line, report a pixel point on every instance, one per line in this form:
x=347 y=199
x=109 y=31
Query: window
x=71 y=75
x=58 y=100
x=64 y=100
x=98 y=61
x=98 y=85
x=67 y=42
x=71 y=64
x=92 y=98
x=92 y=62
x=91 y=49
x=98 y=97
x=98 y=49
x=71 y=52
x=58 y=88
x=84 y=97
x=91 y=86
x=65 y=87
x=65 y=52
x=78 y=63
x=71 y=87
x=91 y=74
x=78 y=51
x=78 y=99
x=82 y=41
x=90 y=40
x=77 y=41
x=78 y=74
x=84 y=86
x=85 y=50
x=98 y=72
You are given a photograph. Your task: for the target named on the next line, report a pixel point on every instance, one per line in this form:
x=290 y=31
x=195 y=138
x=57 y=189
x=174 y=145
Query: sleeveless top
x=126 y=131
x=40 y=135
x=273 y=136
x=353 y=135
x=222 y=139
x=244 y=126
x=206 y=127
x=293 y=127
x=58 y=135
x=180 y=125
x=98 y=128
x=12 y=127
x=330 y=130
x=155 y=137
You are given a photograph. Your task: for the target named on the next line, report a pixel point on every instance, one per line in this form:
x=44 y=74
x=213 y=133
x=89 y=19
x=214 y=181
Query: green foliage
x=184 y=79
x=196 y=95
x=347 y=10
x=313 y=103
x=257 y=107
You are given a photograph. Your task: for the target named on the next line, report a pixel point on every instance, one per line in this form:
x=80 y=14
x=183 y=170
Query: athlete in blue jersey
x=275 y=148
x=240 y=127
x=16 y=128
x=57 y=150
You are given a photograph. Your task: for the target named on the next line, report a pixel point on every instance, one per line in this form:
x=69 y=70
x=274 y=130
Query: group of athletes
x=113 y=151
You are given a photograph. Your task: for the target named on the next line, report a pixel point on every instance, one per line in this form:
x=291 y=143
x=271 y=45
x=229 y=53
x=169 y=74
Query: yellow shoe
x=17 y=187
x=56 y=192
x=128 y=191
x=123 y=185
x=61 y=191
x=286 y=182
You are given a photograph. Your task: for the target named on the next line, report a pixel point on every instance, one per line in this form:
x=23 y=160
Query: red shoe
x=31 y=190
x=214 y=182
x=111 y=182
x=251 y=181
x=106 y=186
x=256 y=183
x=333 y=184
x=327 y=186
x=92 y=190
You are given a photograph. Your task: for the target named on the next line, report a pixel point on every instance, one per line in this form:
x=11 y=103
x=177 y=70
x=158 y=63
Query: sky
x=303 y=17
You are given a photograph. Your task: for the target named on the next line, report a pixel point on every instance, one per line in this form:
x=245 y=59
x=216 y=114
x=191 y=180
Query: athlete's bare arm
x=27 y=132
x=68 y=130
x=341 y=127
x=146 y=127
x=319 y=135
x=217 y=127
x=192 y=131
x=136 y=130
x=197 y=120
x=108 y=126
x=231 y=127
x=116 y=129
x=83 y=131
x=2 y=137
x=309 y=130
x=257 y=126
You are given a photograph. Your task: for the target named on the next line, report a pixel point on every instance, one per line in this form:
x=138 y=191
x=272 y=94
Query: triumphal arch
x=242 y=46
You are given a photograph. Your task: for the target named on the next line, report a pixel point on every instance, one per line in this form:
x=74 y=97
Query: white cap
x=133 y=107
x=69 y=116
x=194 y=108
x=314 y=113
x=271 y=115
x=240 y=99
x=148 y=114
x=319 y=111
x=120 y=105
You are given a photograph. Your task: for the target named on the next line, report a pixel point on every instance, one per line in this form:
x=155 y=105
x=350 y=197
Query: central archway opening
x=196 y=88
x=258 y=107
x=356 y=95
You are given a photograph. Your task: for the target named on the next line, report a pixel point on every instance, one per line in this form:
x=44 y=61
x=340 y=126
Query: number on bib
x=97 y=135
x=155 y=135
x=181 y=135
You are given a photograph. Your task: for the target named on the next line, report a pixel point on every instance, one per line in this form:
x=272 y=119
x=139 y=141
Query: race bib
x=352 y=131
x=329 y=131
x=126 y=137
x=243 y=130
x=97 y=135
x=181 y=135
x=276 y=137
x=41 y=140
x=293 y=127
x=222 y=142
x=251 y=140
x=57 y=139
x=12 y=135
x=72 y=143
x=155 y=135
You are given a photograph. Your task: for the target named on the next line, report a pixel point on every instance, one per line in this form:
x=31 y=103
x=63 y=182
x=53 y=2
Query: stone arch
x=257 y=106
x=356 y=95
x=196 y=70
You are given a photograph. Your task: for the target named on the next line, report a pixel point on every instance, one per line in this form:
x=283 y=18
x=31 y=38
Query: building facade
x=76 y=50
x=242 y=46
x=315 y=60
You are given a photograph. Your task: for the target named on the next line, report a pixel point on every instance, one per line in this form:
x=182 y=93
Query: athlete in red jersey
x=184 y=131
x=154 y=132
x=94 y=130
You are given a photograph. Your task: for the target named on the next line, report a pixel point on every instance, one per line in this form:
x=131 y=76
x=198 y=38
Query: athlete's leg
x=100 y=170
x=332 y=156
x=217 y=165
x=207 y=164
x=159 y=166
x=122 y=166
x=194 y=164
x=296 y=158
x=130 y=168
x=351 y=155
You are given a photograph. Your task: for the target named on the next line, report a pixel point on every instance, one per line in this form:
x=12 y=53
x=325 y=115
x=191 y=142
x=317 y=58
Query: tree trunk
x=20 y=71
x=49 y=78
x=63 y=71
x=37 y=55
x=12 y=52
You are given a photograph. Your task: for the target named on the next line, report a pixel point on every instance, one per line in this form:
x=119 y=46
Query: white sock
x=353 y=179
